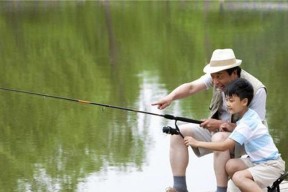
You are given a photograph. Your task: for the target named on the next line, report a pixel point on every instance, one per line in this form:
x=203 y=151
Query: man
x=222 y=69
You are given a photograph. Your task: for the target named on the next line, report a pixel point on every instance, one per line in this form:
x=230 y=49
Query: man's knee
x=221 y=155
x=186 y=129
x=177 y=139
x=220 y=136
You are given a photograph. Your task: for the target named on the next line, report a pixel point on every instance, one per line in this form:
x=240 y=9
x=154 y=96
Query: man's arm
x=215 y=146
x=180 y=92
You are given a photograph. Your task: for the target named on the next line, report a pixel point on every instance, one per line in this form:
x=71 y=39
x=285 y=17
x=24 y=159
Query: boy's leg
x=256 y=176
x=231 y=167
x=244 y=180
x=264 y=174
x=234 y=165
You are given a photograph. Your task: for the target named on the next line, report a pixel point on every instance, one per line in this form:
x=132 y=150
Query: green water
x=129 y=54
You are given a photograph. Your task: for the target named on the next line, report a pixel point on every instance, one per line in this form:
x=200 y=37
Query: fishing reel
x=172 y=131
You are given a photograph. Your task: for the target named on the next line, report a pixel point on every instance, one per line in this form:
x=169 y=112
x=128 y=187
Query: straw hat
x=222 y=59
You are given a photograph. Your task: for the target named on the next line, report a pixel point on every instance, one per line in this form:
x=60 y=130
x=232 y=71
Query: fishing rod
x=166 y=116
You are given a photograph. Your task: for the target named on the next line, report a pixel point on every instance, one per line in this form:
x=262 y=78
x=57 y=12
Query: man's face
x=222 y=78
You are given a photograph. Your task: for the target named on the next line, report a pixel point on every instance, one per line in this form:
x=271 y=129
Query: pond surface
x=127 y=54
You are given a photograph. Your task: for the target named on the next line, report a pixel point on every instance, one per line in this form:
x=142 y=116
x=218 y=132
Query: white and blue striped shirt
x=257 y=141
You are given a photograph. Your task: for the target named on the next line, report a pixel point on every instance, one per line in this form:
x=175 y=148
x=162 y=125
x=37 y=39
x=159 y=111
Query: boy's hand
x=190 y=141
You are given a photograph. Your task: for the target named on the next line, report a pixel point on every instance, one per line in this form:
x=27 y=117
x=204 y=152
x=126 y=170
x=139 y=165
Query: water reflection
x=156 y=163
x=128 y=54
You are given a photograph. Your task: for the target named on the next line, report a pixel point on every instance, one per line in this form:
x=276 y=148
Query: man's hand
x=190 y=141
x=163 y=103
x=211 y=124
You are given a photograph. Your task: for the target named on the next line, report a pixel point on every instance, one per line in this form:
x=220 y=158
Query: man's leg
x=178 y=161
x=179 y=156
x=220 y=160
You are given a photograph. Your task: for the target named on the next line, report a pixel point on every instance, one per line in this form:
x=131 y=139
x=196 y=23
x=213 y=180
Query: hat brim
x=209 y=69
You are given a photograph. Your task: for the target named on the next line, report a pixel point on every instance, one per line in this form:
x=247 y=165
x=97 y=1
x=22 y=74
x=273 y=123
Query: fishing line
x=166 y=116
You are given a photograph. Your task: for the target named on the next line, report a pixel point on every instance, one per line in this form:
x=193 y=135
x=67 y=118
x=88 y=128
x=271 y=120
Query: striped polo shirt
x=257 y=141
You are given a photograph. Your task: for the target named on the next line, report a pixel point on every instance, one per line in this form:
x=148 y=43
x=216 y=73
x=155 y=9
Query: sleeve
x=207 y=80
x=258 y=103
x=240 y=134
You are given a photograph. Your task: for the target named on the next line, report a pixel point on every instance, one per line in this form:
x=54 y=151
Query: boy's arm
x=215 y=146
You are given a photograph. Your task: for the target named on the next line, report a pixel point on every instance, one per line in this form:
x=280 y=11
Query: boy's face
x=235 y=105
x=222 y=78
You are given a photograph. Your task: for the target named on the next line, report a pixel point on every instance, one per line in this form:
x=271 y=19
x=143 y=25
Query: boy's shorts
x=264 y=174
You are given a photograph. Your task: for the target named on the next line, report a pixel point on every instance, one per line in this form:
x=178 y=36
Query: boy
x=264 y=163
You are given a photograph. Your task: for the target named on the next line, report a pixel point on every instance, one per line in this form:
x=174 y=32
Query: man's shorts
x=202 y=134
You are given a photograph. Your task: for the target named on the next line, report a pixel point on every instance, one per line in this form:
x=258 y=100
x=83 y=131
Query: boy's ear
x=245 y=101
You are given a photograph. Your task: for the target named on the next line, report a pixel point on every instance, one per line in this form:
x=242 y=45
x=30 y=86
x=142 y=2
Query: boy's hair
x=241 y=88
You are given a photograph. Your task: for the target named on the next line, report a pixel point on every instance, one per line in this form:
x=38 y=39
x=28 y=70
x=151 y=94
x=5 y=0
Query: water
x=129 y=54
